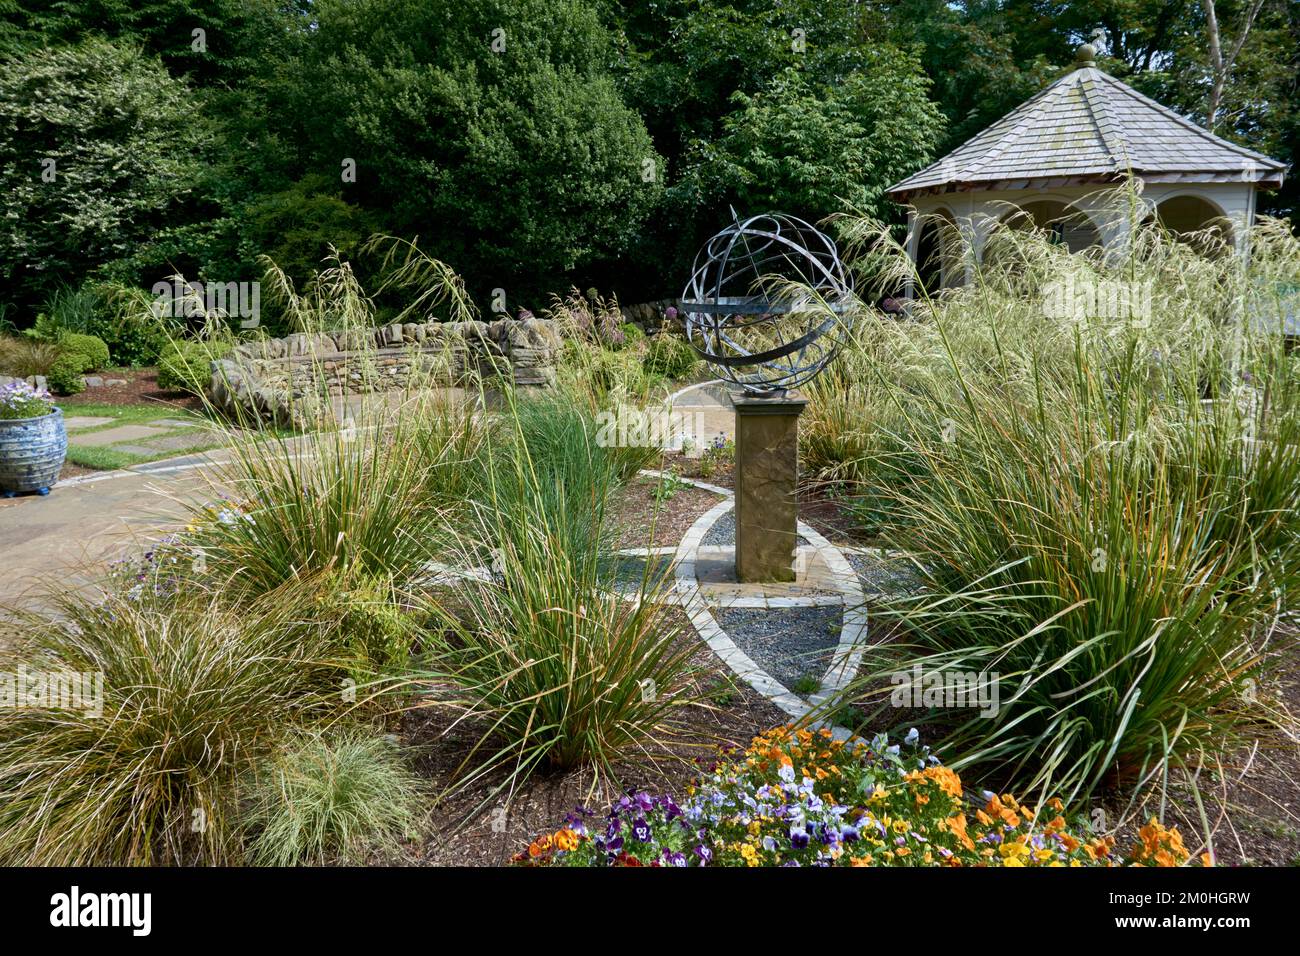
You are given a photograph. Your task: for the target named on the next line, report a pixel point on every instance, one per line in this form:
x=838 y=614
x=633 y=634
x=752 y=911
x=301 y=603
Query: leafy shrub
x=799 y=798
x=322 y=798
x=628 y=336
x=185 y=364
x=124 y=317
x=671 y=356
x=67 y=310
x=375 y=625
x=65 y=374
x=120 y=315
x=91 y=348
x=191 y=694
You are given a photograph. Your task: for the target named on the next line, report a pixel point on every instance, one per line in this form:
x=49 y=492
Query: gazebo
x=1051 y=161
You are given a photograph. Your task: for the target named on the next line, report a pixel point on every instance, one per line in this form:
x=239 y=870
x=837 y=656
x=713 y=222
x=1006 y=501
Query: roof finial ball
x=1085 y=55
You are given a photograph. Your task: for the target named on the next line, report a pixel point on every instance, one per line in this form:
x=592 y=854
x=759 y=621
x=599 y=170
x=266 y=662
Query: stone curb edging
x=848 y=652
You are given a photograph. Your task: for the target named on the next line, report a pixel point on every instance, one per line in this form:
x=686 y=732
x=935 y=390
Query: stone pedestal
x=767 y=469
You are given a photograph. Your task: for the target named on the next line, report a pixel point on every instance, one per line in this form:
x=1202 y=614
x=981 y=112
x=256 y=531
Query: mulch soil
x=644 y=521
x=141 y=388
x=480 y=827
x=1251 y=796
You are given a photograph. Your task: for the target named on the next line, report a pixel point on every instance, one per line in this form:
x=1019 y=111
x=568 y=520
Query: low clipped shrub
x=91 y=348
x=802 y=798
x=65 y=374
x=671 y=357
x=185 y=364
x=76 y=354
x=325 y=798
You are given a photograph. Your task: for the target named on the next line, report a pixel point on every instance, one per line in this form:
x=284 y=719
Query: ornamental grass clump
x=350 y=500
x=338 y=796
x=1100 y=508
x=536 y=646
x=797 y=797
x=176 y=697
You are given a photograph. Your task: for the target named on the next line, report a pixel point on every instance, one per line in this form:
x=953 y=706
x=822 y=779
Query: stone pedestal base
x=767 y=468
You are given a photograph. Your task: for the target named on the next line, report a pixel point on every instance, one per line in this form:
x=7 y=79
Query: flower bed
x=802 y=798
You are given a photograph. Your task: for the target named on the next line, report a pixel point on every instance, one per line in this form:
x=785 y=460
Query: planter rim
x=37 y=418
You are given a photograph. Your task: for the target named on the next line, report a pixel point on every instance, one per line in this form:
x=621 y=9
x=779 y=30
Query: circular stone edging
x=848 y=652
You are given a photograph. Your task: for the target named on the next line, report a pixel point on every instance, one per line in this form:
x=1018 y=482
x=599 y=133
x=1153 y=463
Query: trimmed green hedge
x=186 y=364
x=92 y=348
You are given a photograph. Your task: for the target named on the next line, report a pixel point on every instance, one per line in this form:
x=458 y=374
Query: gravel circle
x=881 y=576
x=723 y=532
x=788 y=643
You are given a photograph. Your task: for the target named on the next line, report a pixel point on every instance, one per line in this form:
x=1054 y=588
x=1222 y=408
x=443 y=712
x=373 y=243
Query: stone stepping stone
x=169 y=443
x=175 y=422
x=111 y=436
x=72 y=422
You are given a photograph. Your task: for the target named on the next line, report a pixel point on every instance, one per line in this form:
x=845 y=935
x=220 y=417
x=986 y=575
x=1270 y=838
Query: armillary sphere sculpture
x=768 y=305
x=740 y=316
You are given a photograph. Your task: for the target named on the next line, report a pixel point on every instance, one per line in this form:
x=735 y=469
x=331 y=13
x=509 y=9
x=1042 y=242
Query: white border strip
x=848 y=652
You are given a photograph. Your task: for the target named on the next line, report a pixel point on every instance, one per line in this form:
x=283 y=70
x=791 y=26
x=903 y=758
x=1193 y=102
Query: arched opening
x=1063 y=223
x=1196 y=221
x=937 y=253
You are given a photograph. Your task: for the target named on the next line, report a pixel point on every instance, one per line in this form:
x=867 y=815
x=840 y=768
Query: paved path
x=90 y=520
x=167 y=433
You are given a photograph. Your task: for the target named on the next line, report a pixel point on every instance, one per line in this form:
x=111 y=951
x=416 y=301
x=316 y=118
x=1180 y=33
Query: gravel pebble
x=788 y=643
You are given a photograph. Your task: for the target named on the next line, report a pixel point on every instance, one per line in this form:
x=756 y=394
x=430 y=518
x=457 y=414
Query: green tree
x=493 y=130
x=100 y=149
x=811 y=150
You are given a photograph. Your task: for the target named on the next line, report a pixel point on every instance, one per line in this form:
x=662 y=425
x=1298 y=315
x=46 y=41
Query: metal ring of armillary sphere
x=745 y=314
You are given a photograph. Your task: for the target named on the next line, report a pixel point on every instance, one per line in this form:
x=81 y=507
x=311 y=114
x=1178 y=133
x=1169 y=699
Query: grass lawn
x=107 y=457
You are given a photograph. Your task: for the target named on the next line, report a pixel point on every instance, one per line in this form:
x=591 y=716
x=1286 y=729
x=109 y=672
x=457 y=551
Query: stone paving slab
x=169 y=443
x=175 y=422
x=771 y=615
x=111 y=436
x=64 y=540
x=71 y=422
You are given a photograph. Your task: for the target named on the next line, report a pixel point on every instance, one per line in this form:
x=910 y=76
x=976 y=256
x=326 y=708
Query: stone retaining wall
x=650 y=316
x=279 y=379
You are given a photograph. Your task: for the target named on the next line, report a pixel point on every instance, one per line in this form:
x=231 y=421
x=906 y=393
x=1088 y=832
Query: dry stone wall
x=282 y=380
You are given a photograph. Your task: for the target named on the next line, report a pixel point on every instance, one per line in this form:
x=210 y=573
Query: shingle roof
x=1089 y=127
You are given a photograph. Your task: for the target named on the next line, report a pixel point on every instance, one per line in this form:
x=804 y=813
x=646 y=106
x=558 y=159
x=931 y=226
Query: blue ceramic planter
x=31 y=453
